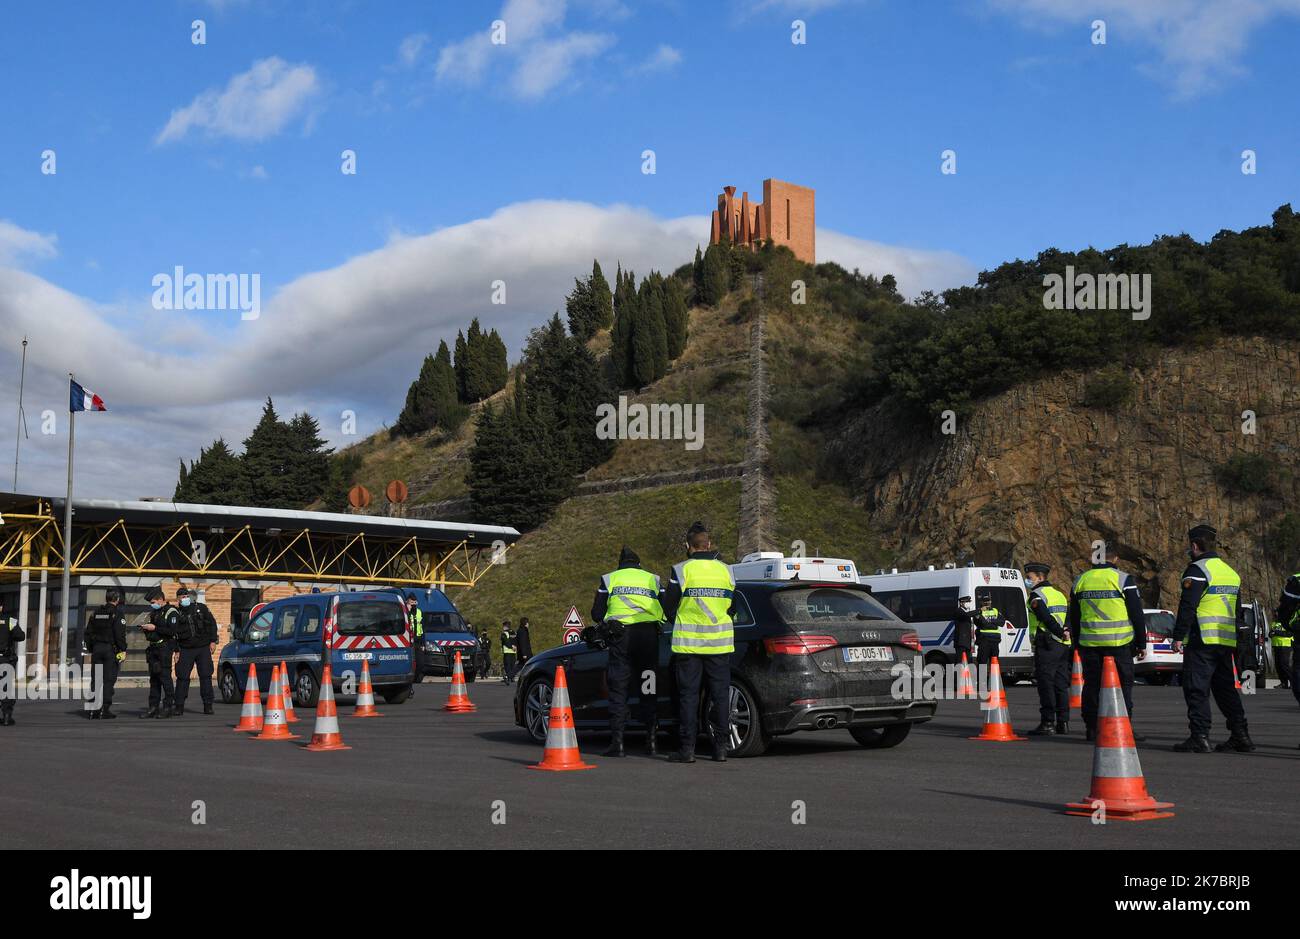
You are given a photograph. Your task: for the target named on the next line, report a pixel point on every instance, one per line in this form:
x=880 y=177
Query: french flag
x=83 y=399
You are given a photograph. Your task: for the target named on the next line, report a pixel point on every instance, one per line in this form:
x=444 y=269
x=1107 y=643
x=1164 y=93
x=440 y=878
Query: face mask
x=186 y=601
x=156 y=606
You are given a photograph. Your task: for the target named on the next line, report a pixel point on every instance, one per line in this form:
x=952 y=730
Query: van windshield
x=371 y=618
x=817 y=604
x=1162 y=623
x=444 y=623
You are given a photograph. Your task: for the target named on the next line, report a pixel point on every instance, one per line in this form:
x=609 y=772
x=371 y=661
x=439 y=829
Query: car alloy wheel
x=537 y=708
x=305 y=689
x=229 y=687
x=742 y=718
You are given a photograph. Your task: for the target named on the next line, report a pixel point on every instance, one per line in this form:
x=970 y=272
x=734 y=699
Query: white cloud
x=539 y=55
x=18 y=243
x=350 y=337
x=1200 y=42
x=663 y=59
x=408 y=52
x=254 y=105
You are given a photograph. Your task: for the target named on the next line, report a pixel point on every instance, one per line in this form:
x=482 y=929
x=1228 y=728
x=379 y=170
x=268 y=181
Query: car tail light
x=798 y=645
x=912 y=641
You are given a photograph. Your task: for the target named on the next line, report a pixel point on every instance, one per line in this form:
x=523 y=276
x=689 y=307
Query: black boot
x=6 y=719
x=1044 y=729
x=178 y=711
x=1062 y=727
x=719 y=750
x=1239 y=742
x=152 y=712
x=651 y=740
x=93 y=715
x=615 y=746
x=1193 y=744
x=681 y=756
x=207 y=708
x=165 y=711
x=107 y=715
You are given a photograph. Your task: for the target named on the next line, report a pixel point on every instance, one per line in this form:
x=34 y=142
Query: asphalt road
x=420 y=777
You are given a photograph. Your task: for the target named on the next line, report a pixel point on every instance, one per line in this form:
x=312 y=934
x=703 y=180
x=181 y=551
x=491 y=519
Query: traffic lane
x=421 y=777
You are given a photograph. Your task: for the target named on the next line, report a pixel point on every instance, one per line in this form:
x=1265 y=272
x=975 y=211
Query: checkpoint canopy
x=134 y=543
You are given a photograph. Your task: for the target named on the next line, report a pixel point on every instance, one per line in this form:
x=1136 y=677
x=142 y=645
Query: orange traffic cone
x=326 y=735
x=1117 y=781
x=457 y=699
x=366 y=695
x=561 y=751
x=1076 y=682
x=250 y=714
x=997 y=720
x=273 y=725
x=965 y=687
x=287 y=692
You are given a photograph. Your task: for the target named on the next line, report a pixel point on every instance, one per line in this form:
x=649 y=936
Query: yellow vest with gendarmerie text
x=1103 y=615
x=1216 y=613
x=703 y=624
x=633 y=596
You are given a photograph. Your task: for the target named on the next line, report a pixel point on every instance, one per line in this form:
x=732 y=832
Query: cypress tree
x=676 y=316
x=715 y=277
x=462 y=366
x=601 y=298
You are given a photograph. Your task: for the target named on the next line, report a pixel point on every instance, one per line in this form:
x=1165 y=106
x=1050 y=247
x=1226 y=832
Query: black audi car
x=808 y=656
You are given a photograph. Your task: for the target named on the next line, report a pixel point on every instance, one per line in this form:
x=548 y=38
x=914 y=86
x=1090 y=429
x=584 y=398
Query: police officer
x=196 y=639
x=1288 y=615
x=161 y=634
x=987 y=622
x=1281 y=639
x=963 y=630
x=523 y=642
x=1106 y=621
x=10 y=635
x=627 y=603
x=106 y=642
x=700 y=603
x=1052 y=653
x=1207 y=620
x=417 y=631
x=484 y=654
x=507 y=653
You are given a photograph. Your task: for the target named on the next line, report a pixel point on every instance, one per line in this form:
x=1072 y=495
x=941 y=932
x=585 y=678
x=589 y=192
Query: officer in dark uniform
x=484 y=654
x=1207 y=619
x=10 y=635
x=1048 y=608
x=161 y=633
x=106 y=642
x=963 y=631
x=1288 y=616
x=627 y=608
x=196 y=640
x=524 y=640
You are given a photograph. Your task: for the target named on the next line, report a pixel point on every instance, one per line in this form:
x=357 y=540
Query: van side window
x=262 y=624
x=934 y=604
x=895 y=601
x=310 y=622
x=288 y=622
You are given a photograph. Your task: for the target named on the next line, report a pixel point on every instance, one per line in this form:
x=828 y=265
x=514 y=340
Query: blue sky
x=521 y=161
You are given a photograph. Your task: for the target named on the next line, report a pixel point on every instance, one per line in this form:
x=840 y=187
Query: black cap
x=1037 y=567
x=183 y=592
x=628 y=556
x=1203 y=531
x=155 y=593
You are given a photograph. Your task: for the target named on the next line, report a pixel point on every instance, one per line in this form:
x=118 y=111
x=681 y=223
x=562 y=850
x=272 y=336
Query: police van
x=306 y=630
x=772 y=565
x=928 y=601
x=446 y=632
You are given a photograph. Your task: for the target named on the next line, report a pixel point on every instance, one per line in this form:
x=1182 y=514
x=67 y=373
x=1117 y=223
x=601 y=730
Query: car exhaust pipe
x=826 y=721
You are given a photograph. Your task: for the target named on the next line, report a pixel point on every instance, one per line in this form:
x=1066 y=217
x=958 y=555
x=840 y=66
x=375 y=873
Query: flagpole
x=18 y=437
x=67 y=544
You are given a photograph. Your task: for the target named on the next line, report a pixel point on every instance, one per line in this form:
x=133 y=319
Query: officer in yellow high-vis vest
x=627 y=606
x=1281 y=639
x=1288 y=615
x=1048 y=608
x=1207 y=620
x=1106 y=621
x=698 y=602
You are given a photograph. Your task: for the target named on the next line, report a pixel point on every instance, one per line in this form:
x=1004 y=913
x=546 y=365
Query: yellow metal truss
x=34 y=541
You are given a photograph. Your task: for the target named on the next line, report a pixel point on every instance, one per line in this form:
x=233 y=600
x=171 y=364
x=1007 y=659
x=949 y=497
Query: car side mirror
x=257 y=635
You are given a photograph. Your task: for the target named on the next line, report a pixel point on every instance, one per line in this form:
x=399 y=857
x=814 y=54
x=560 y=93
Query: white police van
x=928 y=601
x=772 y=565
x=1162 y=663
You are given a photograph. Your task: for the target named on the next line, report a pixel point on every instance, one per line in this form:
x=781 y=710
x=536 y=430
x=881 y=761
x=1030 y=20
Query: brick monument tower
x=786 y=216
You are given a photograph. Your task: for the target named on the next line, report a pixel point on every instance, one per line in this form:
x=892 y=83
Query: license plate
x=868 y=654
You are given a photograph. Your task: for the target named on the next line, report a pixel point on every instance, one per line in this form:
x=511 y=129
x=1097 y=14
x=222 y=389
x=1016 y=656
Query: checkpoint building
x=235 y=557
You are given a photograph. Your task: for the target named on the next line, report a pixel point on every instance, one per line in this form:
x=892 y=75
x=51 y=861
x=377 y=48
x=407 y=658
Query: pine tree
x=579 y=307
x=308 y=468
x=601 y=298
x=715 y=276
x=182 y=485
x=265 y=463
x=462 y=366
x=216 y=478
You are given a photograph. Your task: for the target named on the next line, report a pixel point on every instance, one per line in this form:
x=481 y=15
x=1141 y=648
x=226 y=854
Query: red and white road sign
x=572 y=627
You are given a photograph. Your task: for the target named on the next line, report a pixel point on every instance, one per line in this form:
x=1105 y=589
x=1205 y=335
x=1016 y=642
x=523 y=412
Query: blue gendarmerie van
x=370 y=626
x=445 y=632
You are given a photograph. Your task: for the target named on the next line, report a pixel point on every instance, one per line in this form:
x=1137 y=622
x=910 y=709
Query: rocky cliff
x=1033 y=473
